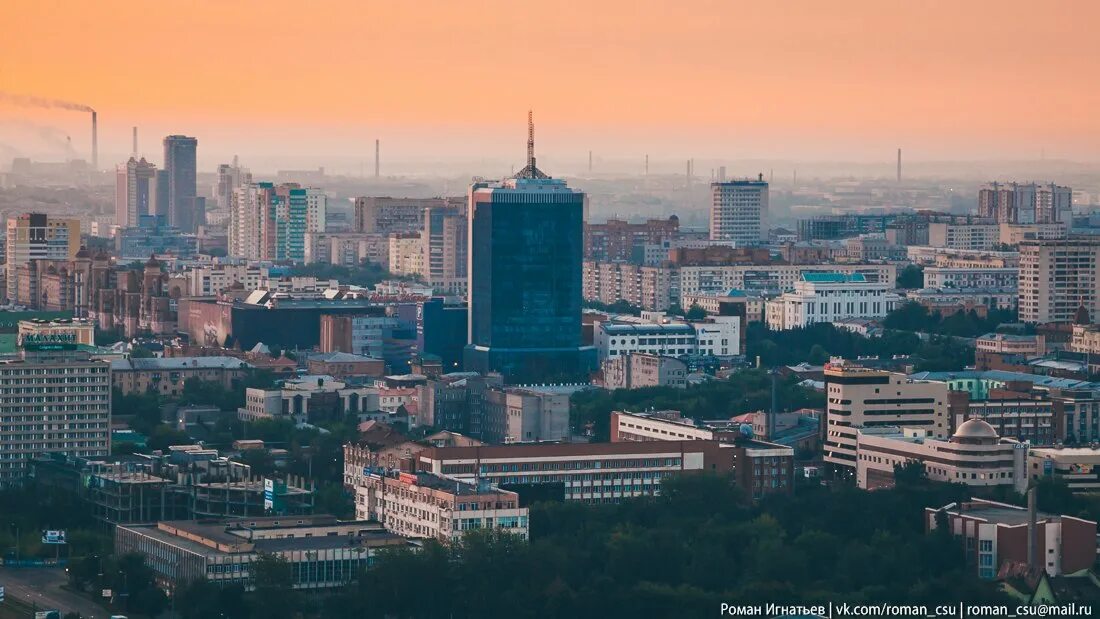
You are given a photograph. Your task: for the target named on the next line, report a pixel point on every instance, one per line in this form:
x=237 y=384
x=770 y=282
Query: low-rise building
x=1078 y=467
x=423 y=505
x=588 y=472
x=729 y=303
x=972 y=277
x=638 y=370
x=1085 y=338
x=323 y=553
x=827 y=297
x=760 y=467
x=974 y=455
x=80 y=331
x=343 y=365
x=1007 y=343
x=997 y=533
x=654 y=333
x=166 y=375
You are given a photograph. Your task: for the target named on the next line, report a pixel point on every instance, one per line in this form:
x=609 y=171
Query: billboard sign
x=53 y=537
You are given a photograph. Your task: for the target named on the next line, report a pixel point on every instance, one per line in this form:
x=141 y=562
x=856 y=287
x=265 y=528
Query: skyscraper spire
x=530 y=171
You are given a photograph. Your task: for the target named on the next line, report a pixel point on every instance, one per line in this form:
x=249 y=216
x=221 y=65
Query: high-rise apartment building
x=737 y=210
x=1026 y=203
x=55 y=400
x=1057 y=277
x=617 y=241
x=230 y=178
x=179 y=163
x=135 y=192
x=444 y=242
x=270 y=222
x=384 y=215
x=316 y=209
x=526 y=254
x=36 y=236
x=863 y=398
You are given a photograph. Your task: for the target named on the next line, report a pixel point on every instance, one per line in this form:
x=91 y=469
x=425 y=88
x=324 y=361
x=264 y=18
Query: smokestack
x=647 y=164
x=95 y=142
x=377 y=149
x=1032 y=539
x=589 y=162
x=1032 y=529
x=899 y=165
x=135 y=143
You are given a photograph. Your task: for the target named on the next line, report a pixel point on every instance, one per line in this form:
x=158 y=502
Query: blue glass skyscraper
x=526 y=252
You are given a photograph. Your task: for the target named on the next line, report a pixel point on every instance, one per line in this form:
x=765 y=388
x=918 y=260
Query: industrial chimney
x=135 y=153
x=377 y=148
x=1032 y=539
x=95 y=143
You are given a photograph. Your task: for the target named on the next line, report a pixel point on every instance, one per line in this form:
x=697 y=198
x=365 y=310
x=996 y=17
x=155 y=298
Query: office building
x=1057 y=278
x=406 y=254
x=136 y=192
x=589 y=472
x=759 y=467
x=997 y=534
x=152 y=236
x=859 y=397
x=653 y=333
x=423 y=505
x=971 y=277
x=180 y=165
x=36 y=236
x=207 y=281
x=526 y=254
x=69 y=413
x=737 y=211
x=80 y=331
x=322 y=553
x=975 y=455
x=230 y=178
x=829 y=297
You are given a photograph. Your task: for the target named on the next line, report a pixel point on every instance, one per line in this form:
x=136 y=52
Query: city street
x=42 y=587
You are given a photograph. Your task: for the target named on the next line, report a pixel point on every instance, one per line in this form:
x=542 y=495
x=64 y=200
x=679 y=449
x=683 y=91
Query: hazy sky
x=453 y=79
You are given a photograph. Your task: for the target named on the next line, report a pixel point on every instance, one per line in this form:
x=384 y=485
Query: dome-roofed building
x=975 y=431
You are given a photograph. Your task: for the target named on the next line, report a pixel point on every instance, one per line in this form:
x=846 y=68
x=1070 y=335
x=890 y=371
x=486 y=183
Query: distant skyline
x=452 y=81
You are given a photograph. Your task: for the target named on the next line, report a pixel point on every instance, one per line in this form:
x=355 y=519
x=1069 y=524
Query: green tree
x=911 y=277
x=274 y=596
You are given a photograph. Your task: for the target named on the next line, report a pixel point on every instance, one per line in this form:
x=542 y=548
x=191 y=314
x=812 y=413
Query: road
x=42 y=587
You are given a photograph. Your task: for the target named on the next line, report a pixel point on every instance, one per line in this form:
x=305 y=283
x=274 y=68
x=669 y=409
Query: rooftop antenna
x=531 y=171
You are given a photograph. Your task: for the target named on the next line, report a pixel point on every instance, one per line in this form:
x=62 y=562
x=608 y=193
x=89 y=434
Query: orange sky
x=820 y=79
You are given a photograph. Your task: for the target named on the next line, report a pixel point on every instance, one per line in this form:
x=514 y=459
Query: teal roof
x=833 y=278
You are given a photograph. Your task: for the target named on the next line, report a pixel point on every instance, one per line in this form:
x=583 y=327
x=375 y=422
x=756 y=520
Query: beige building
x=1057 y=277
x=74 y=330
x=166 y=376
x=962 y=258
x=423 y=505
x=52 y=402
x=1014 y=234
x=406 y=254
x=1078 y=467
x=384 y=215
x=860 y=398
x=36 y=236
x=752 y=305
x=1007 y=343
x=638 y=370
x=974 y=455
x=964 y=234
x=1086 y=338
x=444 y=246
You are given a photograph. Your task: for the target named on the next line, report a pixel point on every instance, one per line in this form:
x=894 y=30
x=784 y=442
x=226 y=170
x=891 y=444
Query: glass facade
x=526 y=251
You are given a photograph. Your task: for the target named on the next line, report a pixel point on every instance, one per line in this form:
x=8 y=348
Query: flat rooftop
x=998 y=513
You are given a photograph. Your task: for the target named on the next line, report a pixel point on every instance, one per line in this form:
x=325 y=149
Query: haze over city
x=514 y=310
x=449 y=82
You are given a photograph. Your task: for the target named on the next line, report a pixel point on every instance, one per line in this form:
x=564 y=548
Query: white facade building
x=981 y=277
x=737 y=210
x=655 y=334
x=209 y=281
x=828 y=297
